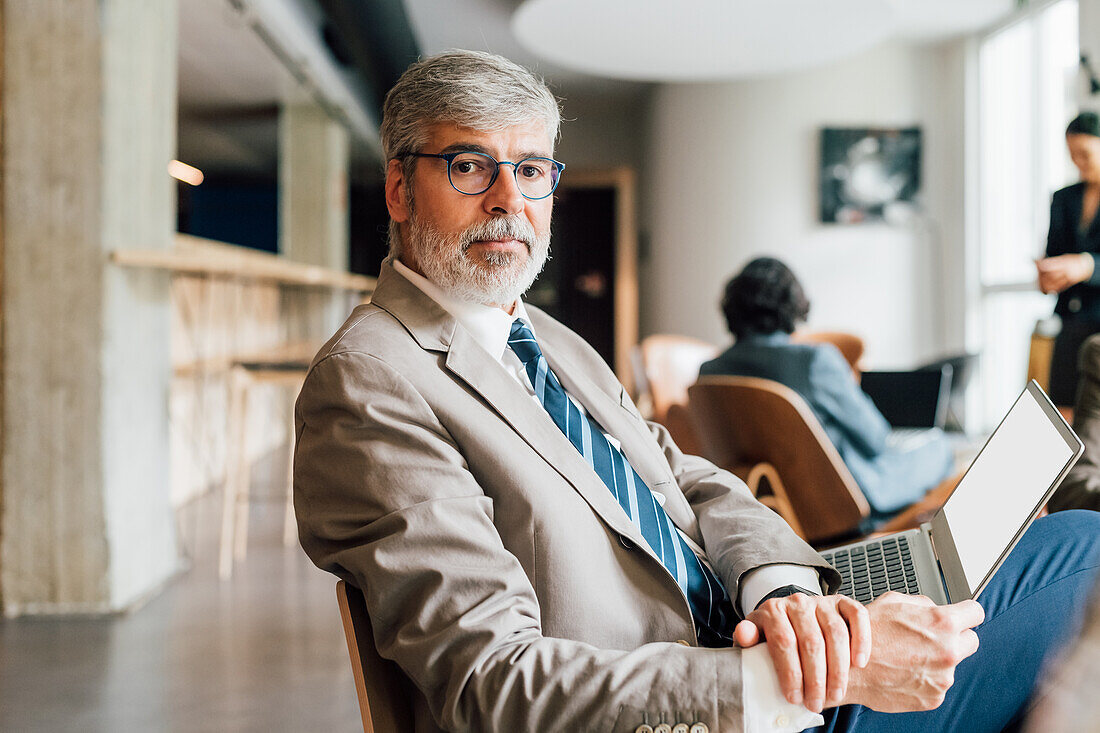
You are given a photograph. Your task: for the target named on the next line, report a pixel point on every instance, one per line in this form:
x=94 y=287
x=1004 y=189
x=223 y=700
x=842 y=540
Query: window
x=1026 y=83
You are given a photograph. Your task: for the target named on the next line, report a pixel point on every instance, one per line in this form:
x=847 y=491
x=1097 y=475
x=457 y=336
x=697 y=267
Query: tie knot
x=523 y=342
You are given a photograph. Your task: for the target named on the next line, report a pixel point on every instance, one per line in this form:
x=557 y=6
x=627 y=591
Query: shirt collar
x=489 y=326
x=771 y=339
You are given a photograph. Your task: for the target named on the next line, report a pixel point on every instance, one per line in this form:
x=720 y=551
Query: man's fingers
x=746 y=634
x=968 y=643
x=968 y=613
x=859 y=628
x=783 y=648
x=837 y=655
x=801 y=611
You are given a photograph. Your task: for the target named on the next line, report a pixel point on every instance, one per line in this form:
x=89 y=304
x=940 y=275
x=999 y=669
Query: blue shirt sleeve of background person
x=843 y=406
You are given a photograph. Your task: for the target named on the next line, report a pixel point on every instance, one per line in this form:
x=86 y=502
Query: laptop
x=910 y=399
x=954 y=556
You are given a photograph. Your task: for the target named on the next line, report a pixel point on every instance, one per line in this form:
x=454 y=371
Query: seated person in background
x=1081 y=488
x=762 y=305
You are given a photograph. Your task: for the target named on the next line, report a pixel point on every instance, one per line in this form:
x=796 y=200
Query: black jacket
x=1081 y=301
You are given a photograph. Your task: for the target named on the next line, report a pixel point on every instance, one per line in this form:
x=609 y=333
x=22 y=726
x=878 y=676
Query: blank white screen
x=1004 y=485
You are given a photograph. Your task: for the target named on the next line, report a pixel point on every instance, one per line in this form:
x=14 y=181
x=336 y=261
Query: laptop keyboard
x=869 y=570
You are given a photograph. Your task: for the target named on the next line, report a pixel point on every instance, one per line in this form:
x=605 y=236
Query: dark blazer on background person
x=498 y=570
x=1078 y=305
x=1064 y=237
x=890 y=479
x=1081 y=487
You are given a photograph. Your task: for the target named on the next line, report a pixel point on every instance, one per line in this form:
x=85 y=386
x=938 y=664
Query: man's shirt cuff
x=758 y=583
x=765 y=708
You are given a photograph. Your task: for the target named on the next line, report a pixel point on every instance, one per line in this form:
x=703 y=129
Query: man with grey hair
x=533 y=554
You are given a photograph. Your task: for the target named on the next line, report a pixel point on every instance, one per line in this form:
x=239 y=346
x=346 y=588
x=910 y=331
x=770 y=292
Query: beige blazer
x=498 y=570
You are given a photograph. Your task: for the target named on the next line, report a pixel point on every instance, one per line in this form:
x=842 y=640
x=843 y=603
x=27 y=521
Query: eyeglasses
x=473 y=173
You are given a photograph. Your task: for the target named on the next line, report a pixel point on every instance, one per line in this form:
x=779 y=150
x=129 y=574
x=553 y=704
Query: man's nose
x=504 y=196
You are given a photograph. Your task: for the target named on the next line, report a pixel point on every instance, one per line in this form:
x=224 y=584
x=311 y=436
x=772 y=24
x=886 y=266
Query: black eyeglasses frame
x=450 y=157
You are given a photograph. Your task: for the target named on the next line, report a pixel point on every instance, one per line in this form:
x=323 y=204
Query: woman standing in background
x=1070 y=266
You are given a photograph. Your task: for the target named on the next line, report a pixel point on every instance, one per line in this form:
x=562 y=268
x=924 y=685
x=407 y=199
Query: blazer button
x=626 y=543
x=680 y=728
x=643 y=728
x=699 y=728
x=663 y=728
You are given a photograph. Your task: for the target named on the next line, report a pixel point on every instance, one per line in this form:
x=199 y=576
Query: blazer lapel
x=436 y=330
x=1077 y=206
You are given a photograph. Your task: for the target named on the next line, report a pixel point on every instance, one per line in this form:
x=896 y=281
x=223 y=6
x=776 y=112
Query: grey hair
x=473 y=89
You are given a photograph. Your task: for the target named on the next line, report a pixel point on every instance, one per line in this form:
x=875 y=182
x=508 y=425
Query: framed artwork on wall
x=869 y=174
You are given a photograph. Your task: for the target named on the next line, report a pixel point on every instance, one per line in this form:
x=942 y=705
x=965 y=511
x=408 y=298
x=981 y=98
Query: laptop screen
x=1007 y=482
x=916 y=399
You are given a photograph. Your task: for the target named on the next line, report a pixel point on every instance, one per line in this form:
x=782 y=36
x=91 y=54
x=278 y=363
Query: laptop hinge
x=926 y=528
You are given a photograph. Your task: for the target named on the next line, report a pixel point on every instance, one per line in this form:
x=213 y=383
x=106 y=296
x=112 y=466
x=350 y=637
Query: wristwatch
x=784 y=591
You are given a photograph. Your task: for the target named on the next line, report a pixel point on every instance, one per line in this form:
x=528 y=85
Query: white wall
x=1089 y=34
x=602 y=130
x=732 y=174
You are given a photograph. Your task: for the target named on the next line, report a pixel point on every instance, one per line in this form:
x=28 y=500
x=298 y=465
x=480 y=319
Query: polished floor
x=263 y=651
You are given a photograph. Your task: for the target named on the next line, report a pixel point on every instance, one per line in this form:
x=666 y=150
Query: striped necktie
x=709 y=602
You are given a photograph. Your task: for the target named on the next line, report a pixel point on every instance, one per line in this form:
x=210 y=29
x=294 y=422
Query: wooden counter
x=229 y=305
x=205 y=257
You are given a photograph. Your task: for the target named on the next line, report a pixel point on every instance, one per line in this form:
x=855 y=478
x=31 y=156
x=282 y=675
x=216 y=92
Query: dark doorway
x=578 y=285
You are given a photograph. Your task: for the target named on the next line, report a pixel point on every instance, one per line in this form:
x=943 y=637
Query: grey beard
x=499 y=259
x=495 y=279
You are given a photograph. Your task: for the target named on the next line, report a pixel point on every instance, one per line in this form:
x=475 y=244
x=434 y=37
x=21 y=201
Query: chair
x=1041 y=349
x=848 y=344
x=748 y=421
x=383 y=689
x=1039 y=356
x=286 y=371
x=669 y=364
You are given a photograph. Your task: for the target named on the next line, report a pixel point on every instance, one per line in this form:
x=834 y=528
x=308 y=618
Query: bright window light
x=1027 y=73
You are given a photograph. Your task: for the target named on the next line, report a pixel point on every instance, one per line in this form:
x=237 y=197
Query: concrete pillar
x=313 y=187
x=313 y=203
x=89 y=95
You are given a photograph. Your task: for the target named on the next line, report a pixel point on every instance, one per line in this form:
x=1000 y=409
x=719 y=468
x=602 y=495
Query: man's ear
x=397 y=191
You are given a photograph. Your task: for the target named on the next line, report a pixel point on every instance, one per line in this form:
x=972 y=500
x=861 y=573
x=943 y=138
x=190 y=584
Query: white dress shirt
x=765 y=707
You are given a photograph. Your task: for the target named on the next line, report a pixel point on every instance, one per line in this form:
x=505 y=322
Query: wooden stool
x=243 y=376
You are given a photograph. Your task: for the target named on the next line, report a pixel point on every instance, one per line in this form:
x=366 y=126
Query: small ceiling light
x=186 y=173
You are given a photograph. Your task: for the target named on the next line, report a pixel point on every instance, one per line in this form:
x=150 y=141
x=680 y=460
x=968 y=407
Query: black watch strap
x=784 y=591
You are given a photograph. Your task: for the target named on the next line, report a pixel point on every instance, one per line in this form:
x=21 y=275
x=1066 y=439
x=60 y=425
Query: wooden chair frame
x=757 y=422
x=377 y=680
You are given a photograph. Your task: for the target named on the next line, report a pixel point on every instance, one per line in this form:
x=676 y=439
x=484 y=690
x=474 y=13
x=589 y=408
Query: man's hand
x=813 y=642
x=1058 y=273
x=917 y=647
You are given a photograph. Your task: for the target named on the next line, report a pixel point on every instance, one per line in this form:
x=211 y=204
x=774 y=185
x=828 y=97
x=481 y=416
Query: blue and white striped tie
x=710 y=604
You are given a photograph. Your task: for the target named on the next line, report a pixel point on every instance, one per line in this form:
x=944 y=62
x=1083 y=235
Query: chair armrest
x=759 y=476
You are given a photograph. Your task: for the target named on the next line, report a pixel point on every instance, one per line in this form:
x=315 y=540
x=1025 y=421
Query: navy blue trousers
x=1033 y=607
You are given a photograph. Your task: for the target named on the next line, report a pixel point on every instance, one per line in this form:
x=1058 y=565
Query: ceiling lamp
x=935 y=19
x=700 y=40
